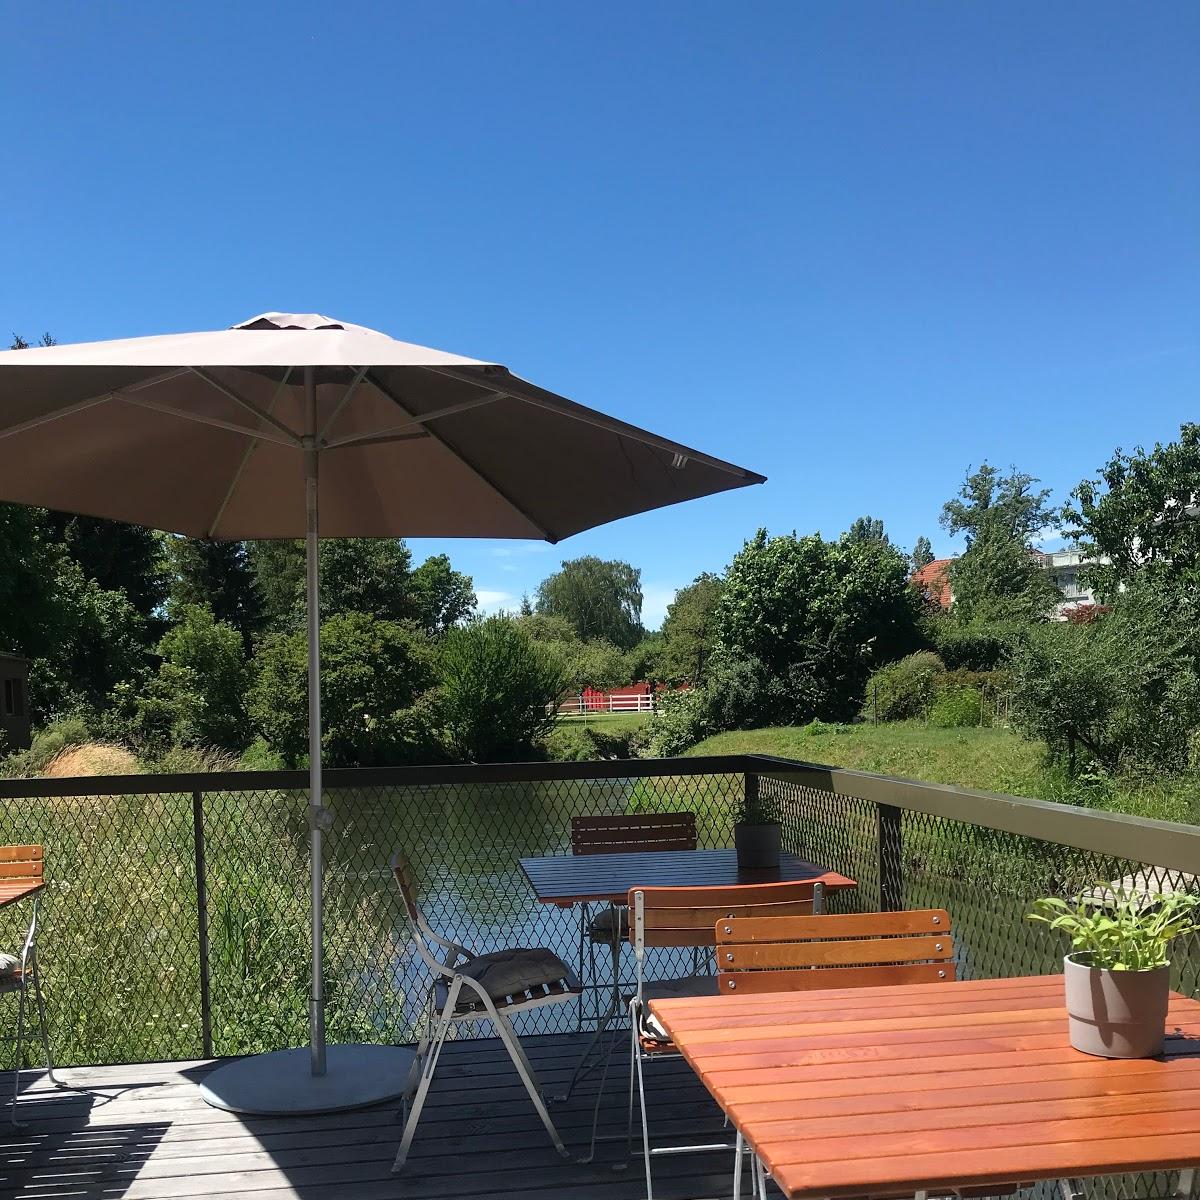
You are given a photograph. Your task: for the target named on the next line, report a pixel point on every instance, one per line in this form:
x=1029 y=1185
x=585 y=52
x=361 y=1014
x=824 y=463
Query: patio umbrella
x=225 y=434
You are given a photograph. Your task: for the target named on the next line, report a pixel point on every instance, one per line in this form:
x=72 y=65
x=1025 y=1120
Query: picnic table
x=853 y=1092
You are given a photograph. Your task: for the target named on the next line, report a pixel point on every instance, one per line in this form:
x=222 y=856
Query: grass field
x=993 y=760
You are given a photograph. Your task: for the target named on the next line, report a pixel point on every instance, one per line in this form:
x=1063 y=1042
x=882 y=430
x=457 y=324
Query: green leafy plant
x=1130 y=934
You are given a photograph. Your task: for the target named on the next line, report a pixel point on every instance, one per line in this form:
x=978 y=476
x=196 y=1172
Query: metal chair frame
x=29 y=973
x=745 y=899
x=454 y=999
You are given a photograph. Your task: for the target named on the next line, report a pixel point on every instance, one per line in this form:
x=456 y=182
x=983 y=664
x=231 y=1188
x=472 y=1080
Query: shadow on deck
x=143 y=1133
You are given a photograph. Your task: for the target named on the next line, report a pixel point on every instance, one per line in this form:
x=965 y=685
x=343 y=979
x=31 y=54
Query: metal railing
x=176 y=908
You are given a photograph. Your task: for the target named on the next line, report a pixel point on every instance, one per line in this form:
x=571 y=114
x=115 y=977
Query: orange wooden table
x=896 y=1089
x=14 y=890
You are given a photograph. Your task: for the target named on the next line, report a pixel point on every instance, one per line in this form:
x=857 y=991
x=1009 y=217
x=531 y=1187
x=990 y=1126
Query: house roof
x=933 y=579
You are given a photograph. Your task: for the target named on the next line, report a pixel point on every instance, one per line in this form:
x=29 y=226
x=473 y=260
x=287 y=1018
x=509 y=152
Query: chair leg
x=641 y=1080
x=428 y=1067
x=528 y=1078
x=760 y=1178
x=1186 y=1183
x=45 y=1028
x=20 y=1046
x=633 y=1053
x=739 y=1153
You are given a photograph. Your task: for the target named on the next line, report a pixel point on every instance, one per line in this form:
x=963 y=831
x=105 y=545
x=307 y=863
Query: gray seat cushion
x=671 y=989
x=10 y=972
x=505 y=973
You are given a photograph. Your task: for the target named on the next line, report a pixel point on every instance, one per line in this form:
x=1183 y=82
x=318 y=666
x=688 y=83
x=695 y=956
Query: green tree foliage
x=499 y=690
x=903 y=689
x=198 y=697
x=1126 y=686
x=866 y=529
x=801 y=624
x=601 y=599
x=998 y=578
x=219 y=576
x=278 y=567
x=374 y=678
x=442 y=596
x=366 y=575
x=922 y=553
x=689 y=630
x=1141 y=515
x=594 y=663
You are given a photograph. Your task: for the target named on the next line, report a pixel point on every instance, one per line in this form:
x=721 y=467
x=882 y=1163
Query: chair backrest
x=774 y=954
x=21 y=864
x=629 y=832
x=425 y=937
x=687 y=916
x=408 y=885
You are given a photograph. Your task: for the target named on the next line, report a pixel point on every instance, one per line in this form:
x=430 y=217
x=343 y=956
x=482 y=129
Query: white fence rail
x=578 y=706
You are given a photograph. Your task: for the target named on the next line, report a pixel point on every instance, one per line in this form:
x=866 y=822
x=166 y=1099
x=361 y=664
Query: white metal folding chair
x=681 y=917
x=474 y=987
x=18 y=974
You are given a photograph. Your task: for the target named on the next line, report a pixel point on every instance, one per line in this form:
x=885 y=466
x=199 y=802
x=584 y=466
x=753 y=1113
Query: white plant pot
x=1116 y=1014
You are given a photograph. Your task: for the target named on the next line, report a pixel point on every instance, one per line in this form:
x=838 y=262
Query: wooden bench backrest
x=775 y=954
x=21 y=864
x=623 y=834
x=687 y=916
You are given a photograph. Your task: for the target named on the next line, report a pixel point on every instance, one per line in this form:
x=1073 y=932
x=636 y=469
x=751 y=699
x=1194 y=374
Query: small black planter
x=757 y=846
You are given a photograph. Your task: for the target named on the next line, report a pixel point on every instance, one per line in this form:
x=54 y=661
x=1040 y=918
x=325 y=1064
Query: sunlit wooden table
x=900 y=1089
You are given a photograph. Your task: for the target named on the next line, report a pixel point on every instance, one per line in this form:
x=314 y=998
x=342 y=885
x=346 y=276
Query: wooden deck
x=143 y=1133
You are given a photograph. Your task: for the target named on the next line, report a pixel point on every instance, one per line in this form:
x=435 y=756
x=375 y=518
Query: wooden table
x=897 y=1089
x=567 y=879
x=14 y=890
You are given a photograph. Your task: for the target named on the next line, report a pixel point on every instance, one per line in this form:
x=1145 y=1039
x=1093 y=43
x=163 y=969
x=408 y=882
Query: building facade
x=14 y=703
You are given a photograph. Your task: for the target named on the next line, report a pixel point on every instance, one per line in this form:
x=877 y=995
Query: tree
x=374 y=677
x=278 y=567
x=998 y=577
x=866 y=529
x=803 y=622
x=219 y=576
x=601 y=599
x=442 y=596
x=1142 y=515
x=689 y=629
x=922 y=554
x=499 y=690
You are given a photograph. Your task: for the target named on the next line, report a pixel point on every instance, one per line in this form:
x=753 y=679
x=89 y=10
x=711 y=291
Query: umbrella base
x=282 y=1083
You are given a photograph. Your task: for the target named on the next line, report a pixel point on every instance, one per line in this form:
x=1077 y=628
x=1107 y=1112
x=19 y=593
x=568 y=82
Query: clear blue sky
x=855 y=246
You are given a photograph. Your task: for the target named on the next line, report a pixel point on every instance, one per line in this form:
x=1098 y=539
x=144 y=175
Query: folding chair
x=687 y=917
x=18 y=973
x=781 y=953
x=473 y=987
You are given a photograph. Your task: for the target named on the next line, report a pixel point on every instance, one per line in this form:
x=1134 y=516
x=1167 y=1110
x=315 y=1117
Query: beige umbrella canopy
x=224 y=435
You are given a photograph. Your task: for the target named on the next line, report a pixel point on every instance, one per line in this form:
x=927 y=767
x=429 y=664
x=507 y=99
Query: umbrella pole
x=318 y=814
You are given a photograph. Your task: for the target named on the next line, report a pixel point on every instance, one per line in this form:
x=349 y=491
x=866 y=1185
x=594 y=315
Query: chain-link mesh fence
x=138 y=968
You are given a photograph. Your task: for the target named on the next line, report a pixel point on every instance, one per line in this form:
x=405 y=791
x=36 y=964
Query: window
x=14 y=697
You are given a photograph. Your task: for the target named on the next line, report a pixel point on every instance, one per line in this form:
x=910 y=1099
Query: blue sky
x=854 y=246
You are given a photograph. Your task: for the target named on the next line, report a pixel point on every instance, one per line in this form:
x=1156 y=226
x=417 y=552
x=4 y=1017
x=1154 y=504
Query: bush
x=678 y=723
x=500 y=690
x=974 y=646
x=574 y=741
x=374 y=676
x=47 y=745
x=903 y=689
x=957 y=709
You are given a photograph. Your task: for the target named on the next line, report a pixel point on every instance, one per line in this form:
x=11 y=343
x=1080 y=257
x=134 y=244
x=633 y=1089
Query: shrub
x=500 y=690
x=903 y=689
x=677 y=724
x=974 y=646
x=958 y=709
x=47 y=745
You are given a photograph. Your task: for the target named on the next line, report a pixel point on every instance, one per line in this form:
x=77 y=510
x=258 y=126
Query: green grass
x=601 y=735
x=992 y=760
x=606 y=722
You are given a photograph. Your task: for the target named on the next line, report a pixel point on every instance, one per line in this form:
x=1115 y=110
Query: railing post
x=891 y=868
x=202 y=923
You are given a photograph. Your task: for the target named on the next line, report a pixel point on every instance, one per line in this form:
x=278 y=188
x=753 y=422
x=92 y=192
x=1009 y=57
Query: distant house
x=933 y=582
x=14 y=702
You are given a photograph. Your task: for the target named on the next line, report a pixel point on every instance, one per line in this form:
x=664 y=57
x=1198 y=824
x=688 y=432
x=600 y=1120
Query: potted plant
x=756 y=831
x=1117 y=976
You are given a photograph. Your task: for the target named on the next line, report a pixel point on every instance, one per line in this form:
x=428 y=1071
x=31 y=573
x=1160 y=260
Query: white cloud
x=492 y=600
x=519 y=549
x=655 y=598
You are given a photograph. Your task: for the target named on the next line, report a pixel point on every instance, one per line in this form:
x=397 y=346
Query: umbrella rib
x=237 y=475
x=375 y=382
x=214 y=422
x=90 y=402
x=226 y=390
x=577 y=412
x=417 y=423
x=359 y=375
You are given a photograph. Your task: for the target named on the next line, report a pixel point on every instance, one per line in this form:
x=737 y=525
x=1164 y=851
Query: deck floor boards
x=142 y=1133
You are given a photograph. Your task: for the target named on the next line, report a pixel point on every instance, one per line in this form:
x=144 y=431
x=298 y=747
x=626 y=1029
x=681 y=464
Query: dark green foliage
x=1126 y=687
x=903 y=689
x=374 y=675
x=968 y=646
x=367 y=575
x=278 y=568
x=922 y=554
x=689 y=630
x=601 y=599
x=499 y=690
x=867 y=529
x=957 y=708
x=593 y=663
x=998 y=578
x=679 y=722
x=1141 y=515
x=218 y=576
x=802 y=623
x=442 y=596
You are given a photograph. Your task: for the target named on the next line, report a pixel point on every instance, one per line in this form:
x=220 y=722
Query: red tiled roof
x=933 y=580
